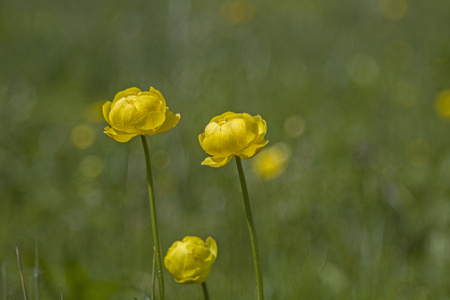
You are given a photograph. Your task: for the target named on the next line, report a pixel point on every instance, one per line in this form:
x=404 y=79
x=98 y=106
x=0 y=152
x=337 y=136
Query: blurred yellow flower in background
x=272 y=162
x=83 y=136
x=393 y=9
x=190 y=260
x=232 y=134
x=134 y=112
x=237 y=12
x=442 y=104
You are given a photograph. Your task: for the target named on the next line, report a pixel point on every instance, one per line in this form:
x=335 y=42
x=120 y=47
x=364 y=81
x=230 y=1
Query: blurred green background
x=356 y=90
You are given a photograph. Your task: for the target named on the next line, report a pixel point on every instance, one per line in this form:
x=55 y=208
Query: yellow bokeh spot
x=271 y=162
x=237 y=12
x=442 y=104
x=91 y=166
x=83 y=136
x=393 y=9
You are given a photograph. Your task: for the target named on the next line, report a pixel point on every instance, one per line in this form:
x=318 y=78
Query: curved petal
x=122 y=115
x=195 y=279
x=212 y=246
x=147 y=102
x=158 y=94
x=262 y=128
x=237 y=128
x=106 y=108
x=170 y=122
x=222 y=117
x=201 y=137
x=151 y=121
x=121 y=137
x=127 y=92
x=221 y=144
x=252 y=150
x=216 y=162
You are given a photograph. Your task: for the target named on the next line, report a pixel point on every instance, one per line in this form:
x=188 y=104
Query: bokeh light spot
x=83 y=136
x=271 y=162
x=294 y=126
x=393 y=9
x=91 y=166
x=237 y=12
x=442 y=104
x=363 y=70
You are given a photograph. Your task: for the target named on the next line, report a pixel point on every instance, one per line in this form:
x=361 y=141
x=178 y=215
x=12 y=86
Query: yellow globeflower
x=232 y=134
x=190 y=260
x=134 y=112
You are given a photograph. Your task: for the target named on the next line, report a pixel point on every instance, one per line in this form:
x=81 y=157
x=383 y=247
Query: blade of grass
x=4 y=286
x=21 y=275
x=60 y=288
x=36 y=270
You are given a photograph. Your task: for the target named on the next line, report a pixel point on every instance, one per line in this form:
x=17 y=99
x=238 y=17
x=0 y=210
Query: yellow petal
x=212 y=128
x=125 y=93
x=147 y=102
x=122 y=115
x=216 y=162
x=237 y=129
x=262 y=128
x=221 y=144
x=121 y=137
x=201 y=137
x=158 y=94
x=222 y=117
x=212 y=246
x=170 y=122
x=252 y=150
x=151 y=121
x=106 y=108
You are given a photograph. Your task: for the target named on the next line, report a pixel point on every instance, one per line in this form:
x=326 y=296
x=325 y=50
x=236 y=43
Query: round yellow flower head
x=232 y=134
x=190 y=260
x=134 y=112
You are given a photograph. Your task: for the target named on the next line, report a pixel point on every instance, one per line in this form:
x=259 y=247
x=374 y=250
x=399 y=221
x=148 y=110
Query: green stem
x=251 y=229
x=154 y=223
x=205 y=290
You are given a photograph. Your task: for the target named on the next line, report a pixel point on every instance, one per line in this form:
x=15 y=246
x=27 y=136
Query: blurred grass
x=361 y=212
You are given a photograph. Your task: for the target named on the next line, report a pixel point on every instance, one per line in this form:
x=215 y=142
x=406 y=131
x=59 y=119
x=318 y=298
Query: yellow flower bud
x=190 y=260
x=134 y=112
x=232 y=134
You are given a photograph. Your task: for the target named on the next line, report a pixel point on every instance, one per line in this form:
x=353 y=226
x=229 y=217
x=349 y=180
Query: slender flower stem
x=251 y=229
x=205 y=290
x=154 y=223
